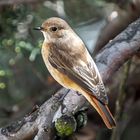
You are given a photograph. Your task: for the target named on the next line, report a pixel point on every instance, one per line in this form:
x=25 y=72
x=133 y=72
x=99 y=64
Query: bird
x=71 y=65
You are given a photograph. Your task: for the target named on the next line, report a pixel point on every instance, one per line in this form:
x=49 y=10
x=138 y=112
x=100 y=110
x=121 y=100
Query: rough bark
x=39 y=124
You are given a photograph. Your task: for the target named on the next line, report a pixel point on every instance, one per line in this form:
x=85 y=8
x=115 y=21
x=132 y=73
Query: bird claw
x=63 y=96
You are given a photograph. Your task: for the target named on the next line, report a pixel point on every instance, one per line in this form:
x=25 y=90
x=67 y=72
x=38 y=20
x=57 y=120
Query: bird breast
x=58 y=76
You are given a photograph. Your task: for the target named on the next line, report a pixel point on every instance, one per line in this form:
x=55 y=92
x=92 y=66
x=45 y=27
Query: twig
x=110 y=59
x=121 y=101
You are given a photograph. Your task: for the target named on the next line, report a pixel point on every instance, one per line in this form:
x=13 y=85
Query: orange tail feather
x=102 y=109
x=104 y=112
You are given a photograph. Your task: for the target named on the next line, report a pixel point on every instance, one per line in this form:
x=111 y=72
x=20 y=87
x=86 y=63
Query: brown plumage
x=71 y=65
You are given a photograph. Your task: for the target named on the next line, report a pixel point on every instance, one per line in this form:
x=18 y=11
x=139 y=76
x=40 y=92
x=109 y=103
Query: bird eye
x=53 y=29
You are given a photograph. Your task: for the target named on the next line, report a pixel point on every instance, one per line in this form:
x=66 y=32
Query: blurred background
x=24 y=79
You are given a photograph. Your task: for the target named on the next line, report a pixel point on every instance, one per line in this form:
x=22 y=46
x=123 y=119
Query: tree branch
x=39 y=124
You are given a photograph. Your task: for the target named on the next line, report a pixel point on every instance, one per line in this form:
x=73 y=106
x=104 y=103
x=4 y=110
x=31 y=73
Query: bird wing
x=84 y=74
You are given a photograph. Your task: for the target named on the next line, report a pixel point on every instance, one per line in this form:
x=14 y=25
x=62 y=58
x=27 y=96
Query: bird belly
x=61 y=78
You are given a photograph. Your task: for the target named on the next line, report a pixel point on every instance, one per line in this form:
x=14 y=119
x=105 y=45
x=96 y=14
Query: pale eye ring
x=53 y=29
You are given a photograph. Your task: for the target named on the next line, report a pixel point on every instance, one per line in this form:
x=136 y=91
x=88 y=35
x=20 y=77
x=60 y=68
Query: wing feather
x=84 y=74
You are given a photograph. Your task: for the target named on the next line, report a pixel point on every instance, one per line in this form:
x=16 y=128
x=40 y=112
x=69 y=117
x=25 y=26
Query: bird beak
x=38 y=28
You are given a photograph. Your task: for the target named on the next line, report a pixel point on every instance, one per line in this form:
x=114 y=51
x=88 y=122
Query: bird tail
x=103 y=110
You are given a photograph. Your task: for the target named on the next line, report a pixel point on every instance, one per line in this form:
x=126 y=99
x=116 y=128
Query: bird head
x=54 y=28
